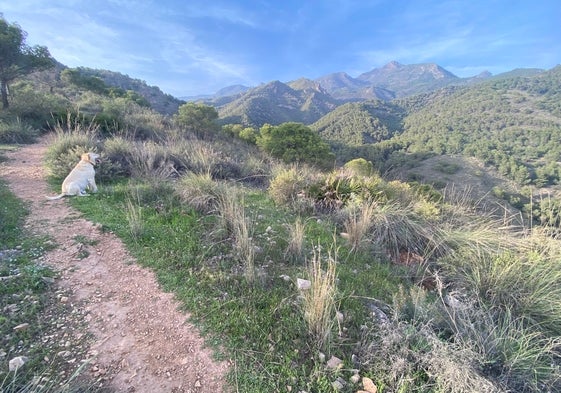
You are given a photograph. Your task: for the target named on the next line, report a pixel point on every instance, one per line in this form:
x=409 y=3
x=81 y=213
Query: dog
x=81 y=178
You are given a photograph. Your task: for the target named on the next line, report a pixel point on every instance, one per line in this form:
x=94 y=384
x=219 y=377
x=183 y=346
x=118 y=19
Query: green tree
x=197 y=118
x=294 y=142
x=17 y=58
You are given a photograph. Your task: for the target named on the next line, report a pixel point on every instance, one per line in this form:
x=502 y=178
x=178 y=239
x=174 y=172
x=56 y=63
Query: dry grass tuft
x=296 y=237
x=319 y=301
x=358 y=224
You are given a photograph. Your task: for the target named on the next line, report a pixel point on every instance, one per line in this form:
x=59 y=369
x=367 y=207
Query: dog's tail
x=55 y=197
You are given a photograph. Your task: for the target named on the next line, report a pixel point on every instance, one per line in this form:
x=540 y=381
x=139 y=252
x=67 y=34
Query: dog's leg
x=92 y=186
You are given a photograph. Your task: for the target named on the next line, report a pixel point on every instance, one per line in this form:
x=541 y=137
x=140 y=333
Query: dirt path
x=142 y=343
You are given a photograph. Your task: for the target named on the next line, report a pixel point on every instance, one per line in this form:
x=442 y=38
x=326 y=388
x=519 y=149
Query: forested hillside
x=360 y=123
x=513 y=124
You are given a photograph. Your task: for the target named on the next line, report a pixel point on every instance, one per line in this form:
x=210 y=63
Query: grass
x=258 y=322
x=319 y=301
x=27 y=296
x=232 y=254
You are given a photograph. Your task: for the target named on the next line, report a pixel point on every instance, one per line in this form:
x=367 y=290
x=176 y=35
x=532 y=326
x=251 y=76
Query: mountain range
x=306 y=100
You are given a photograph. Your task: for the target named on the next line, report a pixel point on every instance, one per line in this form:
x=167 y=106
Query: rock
x=368 y=385
x=334 y=363
x=285 y=277
x=17 y=362
x=64 y=299
x=355 y=378
x=338 y=385
x=48 y=280
x=321 y=357
x=21 y=327
x=302 y=284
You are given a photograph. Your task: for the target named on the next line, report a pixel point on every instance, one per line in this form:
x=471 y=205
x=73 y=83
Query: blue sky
x=189 y=47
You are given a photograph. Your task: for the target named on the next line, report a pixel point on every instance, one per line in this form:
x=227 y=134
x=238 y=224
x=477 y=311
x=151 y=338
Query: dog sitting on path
x=81 y=178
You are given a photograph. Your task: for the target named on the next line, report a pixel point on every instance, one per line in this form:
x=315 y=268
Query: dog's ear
x=85 y=157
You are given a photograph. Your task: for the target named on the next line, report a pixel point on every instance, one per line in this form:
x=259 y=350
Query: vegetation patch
x=32 y=344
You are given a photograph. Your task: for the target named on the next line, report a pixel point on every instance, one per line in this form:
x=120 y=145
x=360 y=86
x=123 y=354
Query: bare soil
x=141 y=341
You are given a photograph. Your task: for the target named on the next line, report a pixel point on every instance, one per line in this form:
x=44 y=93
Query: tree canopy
x=294 y=142
x=17 y=58
x=197 y=118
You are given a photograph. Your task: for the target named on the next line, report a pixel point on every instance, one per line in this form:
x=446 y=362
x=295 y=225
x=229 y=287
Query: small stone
x=48 y=280
x=334 y=363
x=337 y=385
x=302 y=284
x=198 y=384
x=321 y=357
x=64 y=299
x=21 y=327
x=285 y=277
x=64 y=354
x=368 y=385
x=355 y=378
x=340 y=317
x=17 y=362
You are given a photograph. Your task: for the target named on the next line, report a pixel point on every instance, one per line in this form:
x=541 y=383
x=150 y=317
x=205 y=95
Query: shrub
x=16 y=131
x=360 y=167
x=294 y=142
x=119 y=152
x=201 y=192
x=288 y=184
x=150 y=161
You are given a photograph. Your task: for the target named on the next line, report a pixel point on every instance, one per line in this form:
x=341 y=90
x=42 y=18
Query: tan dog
x=81 y=178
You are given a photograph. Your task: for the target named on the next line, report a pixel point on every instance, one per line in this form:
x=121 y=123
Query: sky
x=192 y=47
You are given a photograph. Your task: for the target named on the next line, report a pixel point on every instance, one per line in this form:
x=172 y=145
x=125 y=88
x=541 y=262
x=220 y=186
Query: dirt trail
x=142 y=343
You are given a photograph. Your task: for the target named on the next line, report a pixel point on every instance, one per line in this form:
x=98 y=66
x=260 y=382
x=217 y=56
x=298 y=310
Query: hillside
x=276 y=103
x=159 y=101
x=513 y=124
x=360 y=123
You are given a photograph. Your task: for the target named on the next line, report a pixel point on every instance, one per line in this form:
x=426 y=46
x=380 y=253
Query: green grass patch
x=259 y=324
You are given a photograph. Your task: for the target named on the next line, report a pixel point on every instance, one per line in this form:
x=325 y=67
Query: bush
x=295 y=143
x=288 y=185
x=16 y=131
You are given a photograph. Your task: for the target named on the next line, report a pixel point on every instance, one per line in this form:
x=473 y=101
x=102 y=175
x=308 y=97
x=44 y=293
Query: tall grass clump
x=358 y=224
x=233 y=219
x=150 y=161
x=319 y=302
x=289 y=184
x=16 y=131
x=296 y=238
x=395 y=227
x=133 y=214
x=201 y=192
x=529 y=285
x=71 y=140
x=119 y=151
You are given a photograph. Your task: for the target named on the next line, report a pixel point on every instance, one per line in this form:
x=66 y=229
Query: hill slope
x=277 y=102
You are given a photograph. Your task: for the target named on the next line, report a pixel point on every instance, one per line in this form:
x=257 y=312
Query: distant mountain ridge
x=305 y=100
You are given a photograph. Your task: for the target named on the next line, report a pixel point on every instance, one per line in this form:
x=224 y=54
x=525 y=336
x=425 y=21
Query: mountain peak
x=393 y=65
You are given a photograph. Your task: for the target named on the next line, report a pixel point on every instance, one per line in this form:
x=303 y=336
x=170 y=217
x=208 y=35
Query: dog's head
x=92 y=158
